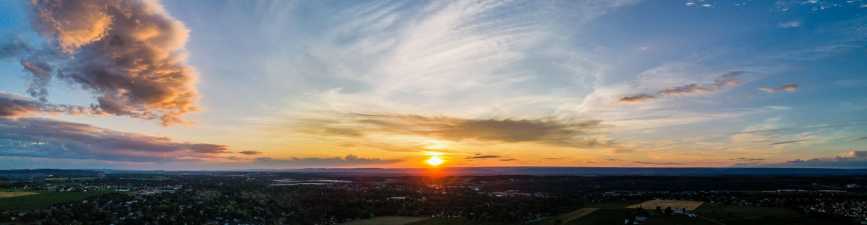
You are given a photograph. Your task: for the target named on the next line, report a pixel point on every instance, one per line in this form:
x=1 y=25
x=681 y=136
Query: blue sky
x=283 y=84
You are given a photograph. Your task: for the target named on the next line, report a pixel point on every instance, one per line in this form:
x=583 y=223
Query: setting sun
x=434 y=161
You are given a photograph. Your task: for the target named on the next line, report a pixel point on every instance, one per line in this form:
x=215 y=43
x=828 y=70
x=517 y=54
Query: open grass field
x=12 y=194
x=43 y=199
x=674 y=204
x=387 y=220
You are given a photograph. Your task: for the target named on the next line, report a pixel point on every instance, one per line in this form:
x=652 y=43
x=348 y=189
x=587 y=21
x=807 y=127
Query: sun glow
x=434 y=161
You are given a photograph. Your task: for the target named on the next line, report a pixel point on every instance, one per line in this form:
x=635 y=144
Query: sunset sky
x=293 y=84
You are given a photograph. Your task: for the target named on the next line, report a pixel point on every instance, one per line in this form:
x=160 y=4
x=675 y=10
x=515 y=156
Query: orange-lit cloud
x=130 y=54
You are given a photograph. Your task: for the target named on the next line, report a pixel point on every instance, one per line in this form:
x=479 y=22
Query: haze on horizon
x=292 y=84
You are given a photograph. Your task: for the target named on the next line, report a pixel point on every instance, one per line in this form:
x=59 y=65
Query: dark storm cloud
x=348 y=160
x=785 y=88
x=45 y=138
x=726 y=80
x=549 y=131
x=129 y=54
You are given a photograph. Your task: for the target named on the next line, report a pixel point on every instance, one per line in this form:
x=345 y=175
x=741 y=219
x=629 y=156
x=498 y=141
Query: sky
x=212 y=85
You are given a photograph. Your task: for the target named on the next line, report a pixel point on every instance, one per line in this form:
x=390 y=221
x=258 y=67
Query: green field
x=43 y=199
x=386 y=220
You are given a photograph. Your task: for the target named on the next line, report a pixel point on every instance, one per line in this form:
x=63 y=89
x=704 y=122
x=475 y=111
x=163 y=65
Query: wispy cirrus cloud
x=452 y=58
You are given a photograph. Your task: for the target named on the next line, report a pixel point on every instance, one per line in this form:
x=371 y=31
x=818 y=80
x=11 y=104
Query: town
x=98 y=197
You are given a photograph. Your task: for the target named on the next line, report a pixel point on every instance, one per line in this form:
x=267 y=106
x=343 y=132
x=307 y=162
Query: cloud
x=748 y=159
x=480 y=156
x=295 y=162
x=17 y=106
x=548 y=131
x=850 y=159
x=787 y=142
x=250 y=152
x=43 y=138
x=130 y=54
x=637 y=98
x=726 y=80
x=790 y=24
x=14 y=106
x=659 y=163
x=785 y=88
x=461 y=58
x=11 y=48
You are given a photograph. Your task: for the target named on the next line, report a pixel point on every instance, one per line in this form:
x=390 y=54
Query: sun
x=434 y=161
